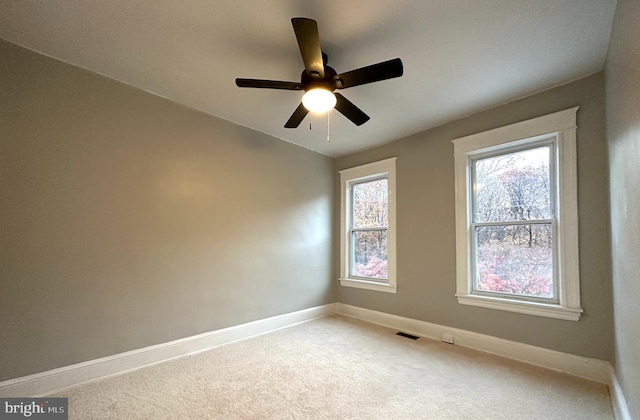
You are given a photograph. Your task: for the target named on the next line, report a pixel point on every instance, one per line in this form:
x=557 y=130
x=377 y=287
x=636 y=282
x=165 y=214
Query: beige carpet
x=339 y=368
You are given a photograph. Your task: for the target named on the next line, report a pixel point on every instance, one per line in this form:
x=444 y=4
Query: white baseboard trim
x=49 y=382
x=620 y=408
x=583 y=367
x=55 y=380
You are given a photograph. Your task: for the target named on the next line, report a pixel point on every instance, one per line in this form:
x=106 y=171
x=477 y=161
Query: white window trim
x=350 y=176
x=563 y=125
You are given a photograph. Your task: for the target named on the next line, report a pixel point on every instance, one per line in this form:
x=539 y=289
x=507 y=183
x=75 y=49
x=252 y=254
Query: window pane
x=371 y=204
x=515 y=259
x=369 y=254
x=514 y=186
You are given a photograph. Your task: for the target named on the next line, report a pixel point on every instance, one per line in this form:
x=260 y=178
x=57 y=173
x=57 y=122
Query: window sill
x=370 y=285
x=529 y=308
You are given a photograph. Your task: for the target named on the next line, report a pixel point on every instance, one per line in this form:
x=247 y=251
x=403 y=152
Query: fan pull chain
x=328 y=133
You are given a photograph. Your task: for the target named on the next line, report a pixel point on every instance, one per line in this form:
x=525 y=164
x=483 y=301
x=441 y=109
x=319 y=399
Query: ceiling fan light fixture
x=319 y=100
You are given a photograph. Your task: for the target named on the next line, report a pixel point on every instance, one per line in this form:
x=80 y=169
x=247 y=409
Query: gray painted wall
x=623 y=125
x=127 y=220
x=426 y=229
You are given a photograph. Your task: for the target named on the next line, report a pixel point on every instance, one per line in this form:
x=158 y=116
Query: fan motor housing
x=330 y=81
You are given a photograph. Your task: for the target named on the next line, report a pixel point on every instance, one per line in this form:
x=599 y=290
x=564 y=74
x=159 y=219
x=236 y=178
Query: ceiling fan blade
x=297 y=117
x=268 y=84
x=309 y=43
x=373 y=73
x=349 y=110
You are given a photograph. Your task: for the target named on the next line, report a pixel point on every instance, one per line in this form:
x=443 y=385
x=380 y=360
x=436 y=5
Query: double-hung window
x=516 y=218
x=367 y=247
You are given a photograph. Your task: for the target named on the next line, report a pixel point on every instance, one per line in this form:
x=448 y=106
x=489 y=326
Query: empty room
x=280 y=209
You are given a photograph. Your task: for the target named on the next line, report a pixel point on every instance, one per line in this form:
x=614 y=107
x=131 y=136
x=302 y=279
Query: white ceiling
x=460 y=56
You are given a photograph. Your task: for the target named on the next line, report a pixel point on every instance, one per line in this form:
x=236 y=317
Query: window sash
x=352 y=214
x=352 y=256
x=551 y=143
x=475 y=271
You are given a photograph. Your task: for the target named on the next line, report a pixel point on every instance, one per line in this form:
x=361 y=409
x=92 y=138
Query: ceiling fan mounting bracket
x=329 y=82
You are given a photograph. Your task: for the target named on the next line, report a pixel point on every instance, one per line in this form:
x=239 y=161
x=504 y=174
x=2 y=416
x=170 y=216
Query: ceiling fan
x=319 y=80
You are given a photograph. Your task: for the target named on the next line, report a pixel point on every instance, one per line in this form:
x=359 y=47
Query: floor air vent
x=413 y=337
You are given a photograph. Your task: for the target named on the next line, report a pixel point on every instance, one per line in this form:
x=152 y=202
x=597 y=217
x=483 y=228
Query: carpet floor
x=340 y=368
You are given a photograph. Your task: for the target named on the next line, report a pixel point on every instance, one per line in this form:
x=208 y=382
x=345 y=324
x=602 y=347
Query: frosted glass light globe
x=318 y=100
